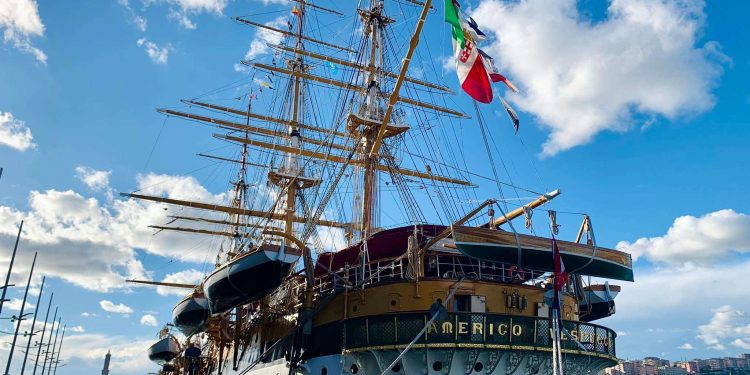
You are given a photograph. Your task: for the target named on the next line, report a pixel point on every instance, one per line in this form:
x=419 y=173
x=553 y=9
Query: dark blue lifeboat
x=191 y=314
x=248 y=277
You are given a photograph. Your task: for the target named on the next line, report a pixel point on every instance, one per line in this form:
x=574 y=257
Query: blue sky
x=637 y=111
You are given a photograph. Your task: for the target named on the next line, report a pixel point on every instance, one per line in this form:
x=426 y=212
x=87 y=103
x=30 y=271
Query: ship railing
x=437 y=266
x=476 y=330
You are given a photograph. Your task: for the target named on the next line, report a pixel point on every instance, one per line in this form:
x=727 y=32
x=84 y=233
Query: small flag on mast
x=494 y=73
x=511 y=113
x=478 y=34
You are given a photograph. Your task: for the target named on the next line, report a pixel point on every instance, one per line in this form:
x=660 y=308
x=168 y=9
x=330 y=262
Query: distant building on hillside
x=670 y=370
x=715 y=364
x=655 y=361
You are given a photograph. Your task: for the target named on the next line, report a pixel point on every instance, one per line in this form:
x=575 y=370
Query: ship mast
x=374 y=23
x=240 y=193
x=289 y=176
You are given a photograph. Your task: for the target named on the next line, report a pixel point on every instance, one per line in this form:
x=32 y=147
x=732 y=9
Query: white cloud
x=77 y=329
x=701 y=240
x=148 y=320
x=157 y=54
x=181 y=10
x=94 y=179
x=19 y=21
x=88 y=314
x=261 y=40
x=15 y=305
x=686 y=346
x=671 y=289
x=727 y=325
x=190 y=276
x=72 y=232
x=139 y=21
x=128 y=353
x=580 y=78
x=14 y=133
x=119 y=308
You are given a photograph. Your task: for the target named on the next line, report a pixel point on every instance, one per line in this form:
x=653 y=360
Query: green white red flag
x=470 y=65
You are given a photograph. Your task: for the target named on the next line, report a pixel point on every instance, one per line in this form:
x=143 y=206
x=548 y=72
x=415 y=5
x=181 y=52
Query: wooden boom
x=349 y=86
x=158 y=283
x=288 y=33
x=231 y=210
x=340 y=159
x=264 y=118
x=251 y=129
x=519 y=211
x=360 y=67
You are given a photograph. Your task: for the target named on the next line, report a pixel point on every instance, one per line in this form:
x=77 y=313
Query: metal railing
x=443 y=266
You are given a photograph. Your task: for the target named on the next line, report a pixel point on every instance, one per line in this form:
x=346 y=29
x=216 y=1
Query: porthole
x=324 y=371
x=478 y=366
x=393 y=302
x=354 y=369
x=396 y=367
x=437 y=365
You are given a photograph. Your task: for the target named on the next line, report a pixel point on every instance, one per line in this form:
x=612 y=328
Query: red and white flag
x=561 y=275
x=472 y=72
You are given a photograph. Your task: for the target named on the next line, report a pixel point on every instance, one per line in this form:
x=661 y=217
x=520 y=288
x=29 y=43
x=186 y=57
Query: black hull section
x=190 y=317
x=596 y=311
x=245 y=280
x=163 y=351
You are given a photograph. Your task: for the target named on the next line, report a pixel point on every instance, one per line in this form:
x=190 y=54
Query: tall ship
x=355 y=242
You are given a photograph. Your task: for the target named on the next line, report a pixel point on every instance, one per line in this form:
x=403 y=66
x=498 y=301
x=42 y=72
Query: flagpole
x=54 y=345
x=33 y=323
x=49 y=340
x=20 y=318
x=44 y=329
x=59 y=349
x=10 y=268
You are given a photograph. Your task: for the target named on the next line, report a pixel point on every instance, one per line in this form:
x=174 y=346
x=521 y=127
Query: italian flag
x=472 y=74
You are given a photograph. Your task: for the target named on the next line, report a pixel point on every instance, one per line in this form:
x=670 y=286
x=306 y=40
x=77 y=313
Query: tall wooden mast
x=289 y=176
x=370 y=109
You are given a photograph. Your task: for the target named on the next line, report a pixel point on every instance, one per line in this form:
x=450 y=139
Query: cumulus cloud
x=157 y=54
x=77 y=329
x=580 y=78
x=94 y=179
x=686 y=346
x=727 y=325
x=19 y=21
x=261 y=40
x=148 y=320
x=74 y=232
x=119 y=308
x=670 y=289
x=88 y=314
x=91 y=348
x=182 y=10
x=190 y=276
x=701 y=240
x=14 y=133
x=15 y=305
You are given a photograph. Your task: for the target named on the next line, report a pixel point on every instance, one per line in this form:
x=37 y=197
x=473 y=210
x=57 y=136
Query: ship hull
x=191 y=314
x=246 y=279
x=163 y=351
